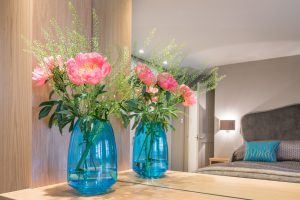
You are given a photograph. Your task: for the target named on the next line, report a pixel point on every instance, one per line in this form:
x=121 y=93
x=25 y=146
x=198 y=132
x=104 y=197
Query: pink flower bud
x=40 y=75
x=59 y=61
x=49 y=62
x=151 y=90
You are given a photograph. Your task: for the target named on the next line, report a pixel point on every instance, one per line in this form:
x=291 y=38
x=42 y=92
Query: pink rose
x=145 y=74
x=40 y=75
x=87 y=68
x=167 y=82
x=188 y=95
x=151 y=89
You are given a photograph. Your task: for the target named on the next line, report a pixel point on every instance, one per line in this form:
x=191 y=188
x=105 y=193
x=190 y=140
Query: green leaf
x=65 y=112
x=144 y=90
x=100 y=88
x=168 y=96
x=125 y=120
x=172 y=127
x=122 y=107
x=71 y=126
x=48 y=103
x=44 y=111
x=81 y=96
x=51 y=94
x=66 y=121
x=51 y=120
x=59 y=116
x=132 y=105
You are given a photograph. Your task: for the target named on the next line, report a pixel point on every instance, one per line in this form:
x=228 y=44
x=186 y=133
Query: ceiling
x=220 y=32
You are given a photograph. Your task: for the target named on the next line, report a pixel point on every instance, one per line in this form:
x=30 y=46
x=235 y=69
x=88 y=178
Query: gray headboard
x=278 y=124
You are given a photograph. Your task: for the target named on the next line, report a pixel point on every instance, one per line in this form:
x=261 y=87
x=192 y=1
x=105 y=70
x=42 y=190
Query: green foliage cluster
x=206 y=78
x=142 y=108
x=72 y=101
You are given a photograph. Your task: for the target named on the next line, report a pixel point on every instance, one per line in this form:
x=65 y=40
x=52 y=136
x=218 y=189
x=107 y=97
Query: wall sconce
x=227 y=125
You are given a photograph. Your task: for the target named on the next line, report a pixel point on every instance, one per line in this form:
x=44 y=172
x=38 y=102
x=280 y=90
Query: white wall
x=193 y=131
x=253 y=86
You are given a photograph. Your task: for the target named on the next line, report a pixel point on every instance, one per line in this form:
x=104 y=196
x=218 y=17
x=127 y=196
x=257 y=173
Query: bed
x=281 y=124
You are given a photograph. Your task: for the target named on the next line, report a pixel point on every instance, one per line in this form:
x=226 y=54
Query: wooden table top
x=175 y=185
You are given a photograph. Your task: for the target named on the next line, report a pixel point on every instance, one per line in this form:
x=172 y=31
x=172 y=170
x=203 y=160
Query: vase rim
x=151 y=122
x=96 y=119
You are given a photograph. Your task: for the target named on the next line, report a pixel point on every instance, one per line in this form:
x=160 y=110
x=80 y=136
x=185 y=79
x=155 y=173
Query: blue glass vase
x=150 y=150
x=92 y=159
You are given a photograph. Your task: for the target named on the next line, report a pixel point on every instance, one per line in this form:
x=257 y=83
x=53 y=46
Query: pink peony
x=40 y=75
x=145 y=74
x=87 y=68
x=152 y=90
x=167 y=82
x=188 y=95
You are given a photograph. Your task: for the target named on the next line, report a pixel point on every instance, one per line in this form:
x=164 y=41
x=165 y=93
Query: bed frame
x=278 y=124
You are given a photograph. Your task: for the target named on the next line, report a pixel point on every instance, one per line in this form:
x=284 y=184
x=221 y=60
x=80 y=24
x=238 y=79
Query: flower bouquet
x=85 y=92
x=78 y=85
x=152 y=105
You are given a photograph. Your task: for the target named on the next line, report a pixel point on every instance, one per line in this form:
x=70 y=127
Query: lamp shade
x=227 y=124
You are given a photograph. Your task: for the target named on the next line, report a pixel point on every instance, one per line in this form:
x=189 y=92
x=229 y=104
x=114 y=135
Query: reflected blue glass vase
x=150 y=150
x=92 y=159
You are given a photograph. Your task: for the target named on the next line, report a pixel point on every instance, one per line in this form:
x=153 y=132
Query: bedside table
x=218 y=160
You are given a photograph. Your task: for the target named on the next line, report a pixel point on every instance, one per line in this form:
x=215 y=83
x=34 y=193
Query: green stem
x=84 y=155
x=151 y=144
x=93 y=162
x=143 y=147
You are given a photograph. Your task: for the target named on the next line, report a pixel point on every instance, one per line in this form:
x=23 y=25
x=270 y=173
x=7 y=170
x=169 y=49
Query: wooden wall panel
x=115 y=23
x=50 y=149
x=15 y=96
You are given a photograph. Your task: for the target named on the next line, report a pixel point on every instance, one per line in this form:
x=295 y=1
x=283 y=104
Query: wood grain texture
x=122 y=137
x=122 y=191
x=15 y=96
x=175 y=186
x=233 y=187
x=49 y=148
x=115 y=24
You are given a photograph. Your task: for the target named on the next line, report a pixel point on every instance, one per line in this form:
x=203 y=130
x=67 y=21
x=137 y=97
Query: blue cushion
x=261 y=151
